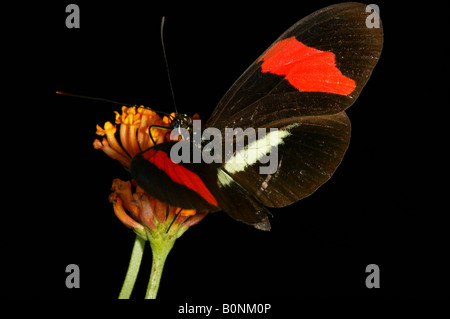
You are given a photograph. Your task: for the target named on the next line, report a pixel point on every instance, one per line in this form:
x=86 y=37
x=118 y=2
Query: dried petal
x=122 y=215
x=147 y=216
x=123 y=189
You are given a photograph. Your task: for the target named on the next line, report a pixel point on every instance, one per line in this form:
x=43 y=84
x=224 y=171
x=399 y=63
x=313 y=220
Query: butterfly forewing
x=340 y=32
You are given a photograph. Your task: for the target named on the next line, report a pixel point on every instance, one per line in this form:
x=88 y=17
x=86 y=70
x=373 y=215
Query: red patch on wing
x=307 y=69
x=179 y=174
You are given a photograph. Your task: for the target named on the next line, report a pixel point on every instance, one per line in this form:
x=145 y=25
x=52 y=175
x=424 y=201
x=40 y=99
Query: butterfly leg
x=173 y=220
x=156 y=126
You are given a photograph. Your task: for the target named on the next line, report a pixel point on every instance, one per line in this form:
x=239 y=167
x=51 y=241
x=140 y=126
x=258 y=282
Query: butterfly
x=298 y=91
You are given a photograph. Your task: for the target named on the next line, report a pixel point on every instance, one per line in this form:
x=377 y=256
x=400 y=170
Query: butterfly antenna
x=111 y=101
x=94 y=98
x=167 y=64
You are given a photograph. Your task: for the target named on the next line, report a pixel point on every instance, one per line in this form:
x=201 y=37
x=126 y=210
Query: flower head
x=134 y=130
x=135 y=208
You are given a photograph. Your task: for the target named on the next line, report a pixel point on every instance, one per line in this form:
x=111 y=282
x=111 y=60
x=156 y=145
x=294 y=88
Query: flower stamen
x=125 y=160
x=110 y=130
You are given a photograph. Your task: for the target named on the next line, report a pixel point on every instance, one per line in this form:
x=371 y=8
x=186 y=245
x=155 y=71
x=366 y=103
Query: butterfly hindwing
x=307 y=157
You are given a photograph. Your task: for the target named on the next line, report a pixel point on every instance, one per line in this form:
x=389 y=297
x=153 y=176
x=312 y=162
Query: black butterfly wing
x=259 y=95
x=183 y=185
x=199 y=186
x=301 y=85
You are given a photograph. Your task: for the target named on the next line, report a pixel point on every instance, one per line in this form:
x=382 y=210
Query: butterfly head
x=181 y=121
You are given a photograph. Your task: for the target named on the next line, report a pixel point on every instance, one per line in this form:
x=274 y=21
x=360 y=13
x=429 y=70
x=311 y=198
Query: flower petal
x=104 y=146
x=122 y=215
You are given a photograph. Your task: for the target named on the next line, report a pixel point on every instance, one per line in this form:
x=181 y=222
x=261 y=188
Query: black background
x=384 y=204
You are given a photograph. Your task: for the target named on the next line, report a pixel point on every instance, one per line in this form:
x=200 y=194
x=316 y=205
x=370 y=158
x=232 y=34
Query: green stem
x=161 y=245
x=133 y=268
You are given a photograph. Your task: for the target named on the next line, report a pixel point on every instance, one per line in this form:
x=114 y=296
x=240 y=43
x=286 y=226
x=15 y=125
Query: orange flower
x=145 y=213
